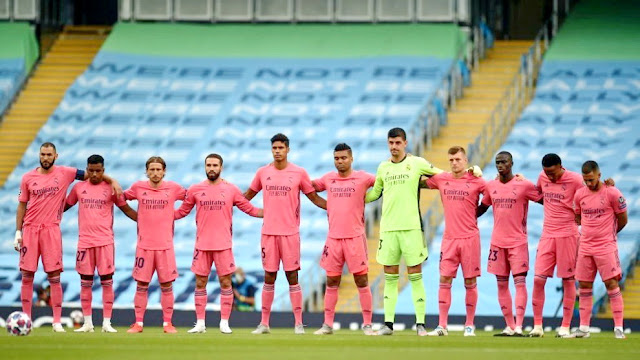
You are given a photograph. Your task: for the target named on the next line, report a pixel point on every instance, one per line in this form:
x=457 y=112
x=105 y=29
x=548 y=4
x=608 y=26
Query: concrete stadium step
x=72 y=51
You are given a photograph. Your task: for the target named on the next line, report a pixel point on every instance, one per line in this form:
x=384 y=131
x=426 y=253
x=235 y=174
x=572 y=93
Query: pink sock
x=226 y=303
x=586 y=306
x=267 y=300
x=330 y=301
x=295 y=294
x=166 y=301
x=505 y=301
x=617 y=306
x=26 y=292
x=366 y=303
x=537 y=298
x=200 y=299
x=444 y=303
x=108 y=298
x=521 y=298
x=140 y=302
x=56 y=298
x=471 y=301
x=568 y=301
x=85 y=296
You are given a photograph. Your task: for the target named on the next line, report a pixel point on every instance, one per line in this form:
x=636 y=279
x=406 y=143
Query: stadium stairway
x=631 y=297
x=464 y=123
x=472 y=112
x=69 y=56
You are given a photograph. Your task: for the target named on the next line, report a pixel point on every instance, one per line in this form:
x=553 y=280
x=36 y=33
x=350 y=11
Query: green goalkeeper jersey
x=399 y=183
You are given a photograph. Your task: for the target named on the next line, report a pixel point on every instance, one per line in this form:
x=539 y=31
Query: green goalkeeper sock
x=419 y=296
x=390 y=296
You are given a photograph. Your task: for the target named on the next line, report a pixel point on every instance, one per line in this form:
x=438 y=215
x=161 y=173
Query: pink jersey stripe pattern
x=281 y=197
x=95 y=212
x=460 y=200
x=598 y=211
x=155 y=212
x=45 y=194
x=510 y=203
x=214 y=210
x=559 y=220
x=345 y=202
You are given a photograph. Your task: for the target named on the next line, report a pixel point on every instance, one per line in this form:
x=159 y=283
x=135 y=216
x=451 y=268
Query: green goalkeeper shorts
x=409 y=244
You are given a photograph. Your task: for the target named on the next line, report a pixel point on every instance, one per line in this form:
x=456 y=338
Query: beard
x=213 y=176
x=48 y=166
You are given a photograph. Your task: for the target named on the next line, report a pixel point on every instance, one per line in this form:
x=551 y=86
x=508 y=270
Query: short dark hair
x=343 y=147
x=456 y=149
x=551 y=160
x=214 y=156
x=49 y=144
x=280 y=137
x=590 y=166
x=156 y=159
x=395 y=132
x=95 y=159
x=506 y=153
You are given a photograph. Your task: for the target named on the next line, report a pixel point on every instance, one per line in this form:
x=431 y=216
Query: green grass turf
x=283 y=344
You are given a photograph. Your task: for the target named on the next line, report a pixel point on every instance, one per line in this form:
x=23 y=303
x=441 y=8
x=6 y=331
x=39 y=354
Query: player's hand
x=117 y=189
x=17 y=240
x=610 y=182
x=520 y=177
x=475 y=171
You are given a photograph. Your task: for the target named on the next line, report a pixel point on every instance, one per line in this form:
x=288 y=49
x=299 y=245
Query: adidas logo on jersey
x=447 y=183
x=203 y=194
x=84 y=192
x=268 y=178
x=144 y=193
x=34 y=184
x=420 y=300
x=494 y=192
x=363 y=264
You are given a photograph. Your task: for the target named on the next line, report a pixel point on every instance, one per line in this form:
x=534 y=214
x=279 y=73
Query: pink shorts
x=101 y=257
x=607 y=265
x=41 y=240
x=280 y=247
x=460 y=252
x=161 y=261
x=353 y=251
x=203 y=259
x=505 y=261
x=560 y=251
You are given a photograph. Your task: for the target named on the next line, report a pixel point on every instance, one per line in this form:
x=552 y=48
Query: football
x=19 y=324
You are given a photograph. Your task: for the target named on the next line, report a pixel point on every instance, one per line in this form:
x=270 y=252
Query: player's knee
x=87 y=277
x=143 y=284
x=166 y=284
x=333 y=281
x=586 y=285
x=611 y=284
x=201 y=282
x=361 y=280
x=470 y=281
x=106 y=277
x=391 y=269
x=53 y=273
x=225 y=282
x=292 y=277
x=270 y=277
x=446 y=279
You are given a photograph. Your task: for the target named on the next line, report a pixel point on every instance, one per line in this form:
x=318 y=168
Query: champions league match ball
x=19 y=324
x=77 y=318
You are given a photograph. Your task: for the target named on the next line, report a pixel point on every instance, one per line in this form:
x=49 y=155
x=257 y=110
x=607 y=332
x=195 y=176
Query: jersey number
x=23 y=251
x=195 y=256
x=380 y=247
x=139 y=262
x=493 y=255
x=263 y=254
x=80 y=255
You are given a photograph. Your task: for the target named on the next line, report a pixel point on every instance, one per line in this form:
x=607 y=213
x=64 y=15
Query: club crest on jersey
x=408 y=167
x=564 y=187
x=222 y=195
x=601 y=201
x=55 y=180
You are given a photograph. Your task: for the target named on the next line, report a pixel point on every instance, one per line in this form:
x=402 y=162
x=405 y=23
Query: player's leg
x=201 y=267
x=106 y=266
x=270 y=264
x=225 y=267
x=470 y=262
x=366 y=301
x=29 y=254
x=85 y=266
x=289 y=247
x=449 y=262
x=332 y=261
x=545 y=263
x=414 y=250
x=585 y=272
x=519 y=264
x=356 y=256
x=167 y=270
x=143 y=267
x=567 y=250
x=330 y=301
x=611 y=272
x=388 y=255
x=498 y=265
x=50 y=240
x=108 y=297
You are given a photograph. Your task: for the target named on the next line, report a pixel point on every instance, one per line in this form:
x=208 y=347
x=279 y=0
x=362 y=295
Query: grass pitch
x=282 y=344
